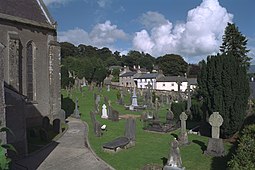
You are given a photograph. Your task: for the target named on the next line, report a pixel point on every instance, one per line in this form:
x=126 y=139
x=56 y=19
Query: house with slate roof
x=144 y=79
x=170 y=83
x=29 y=68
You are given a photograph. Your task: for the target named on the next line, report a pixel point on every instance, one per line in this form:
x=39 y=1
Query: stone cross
x=215 y=121
x=183 y=118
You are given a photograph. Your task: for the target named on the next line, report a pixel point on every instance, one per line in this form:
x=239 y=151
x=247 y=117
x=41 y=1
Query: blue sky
x=191 y=28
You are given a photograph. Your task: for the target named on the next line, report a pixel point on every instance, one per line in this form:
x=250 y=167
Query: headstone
x=121 y=101
x=97 y=129
x=62 y=116
x=215 y=121
x=174 y=161
x=169 y=116
x=183 y=139
x=104 y=112
x=56 y=126
x=33 y=133
x=215 y=145
x=130 y=129
x=115 y=115
x=76 y=112
x=46 y=123
x=134 y=99
x=106 y=100
x=44 y=136
x=110 y=113
x=108 y=87
x=93 y=118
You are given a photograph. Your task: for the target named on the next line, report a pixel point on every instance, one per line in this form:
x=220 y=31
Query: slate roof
x=172 y=79
x=32 y=10
x=128 y=74
x=148 y=76
x=192 y=81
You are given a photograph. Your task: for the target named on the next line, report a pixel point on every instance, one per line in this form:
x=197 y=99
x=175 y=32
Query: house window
x=145 y=80
x=172 y=84
x=141 y=86
x=30 y=70
x=140 y=80
x=164 y=84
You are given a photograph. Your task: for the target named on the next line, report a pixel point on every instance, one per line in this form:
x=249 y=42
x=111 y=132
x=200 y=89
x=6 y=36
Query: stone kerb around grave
x=215 y=145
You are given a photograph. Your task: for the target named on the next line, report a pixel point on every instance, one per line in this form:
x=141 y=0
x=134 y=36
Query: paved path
x=69 y=152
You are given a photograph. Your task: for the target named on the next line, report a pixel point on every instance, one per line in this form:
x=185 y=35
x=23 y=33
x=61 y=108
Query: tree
x=235 y=42
x=224 y=86
x=172 y=65
x=244 y=157
x=68 y=49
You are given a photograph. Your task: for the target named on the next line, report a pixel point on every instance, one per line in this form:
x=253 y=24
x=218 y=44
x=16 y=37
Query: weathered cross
x=183 y=118
x=215 y=121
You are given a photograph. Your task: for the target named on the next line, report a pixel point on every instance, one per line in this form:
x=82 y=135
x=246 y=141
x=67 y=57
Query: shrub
x=245 y=158
x=178 y=108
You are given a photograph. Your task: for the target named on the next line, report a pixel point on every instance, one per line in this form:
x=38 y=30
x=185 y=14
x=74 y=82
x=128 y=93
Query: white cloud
x=101 y=35
x=200 y=35
x=152 y=19
x=49 y=2
x=103 y=3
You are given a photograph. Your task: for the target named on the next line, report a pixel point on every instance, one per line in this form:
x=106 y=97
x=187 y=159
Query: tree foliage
x=235 y=43
x=224 y=86
x=172 y=65
x=245 y=157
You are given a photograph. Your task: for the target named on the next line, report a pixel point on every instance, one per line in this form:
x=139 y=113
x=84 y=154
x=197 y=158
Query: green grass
x=150 y=148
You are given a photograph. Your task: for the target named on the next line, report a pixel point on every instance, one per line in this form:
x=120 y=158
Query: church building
x=29 y=68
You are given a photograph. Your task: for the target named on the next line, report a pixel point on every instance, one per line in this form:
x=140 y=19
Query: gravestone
x=134 y=99
x=170 y=117
x=33 y=133
x=174 y=161
x=108 y=87
x=183 y=139
x=130 y=129
x=104 y=112
x=121 y=101
x=93 y=118
x=56 y=126
x=76 y=112
x=110 y=112
x=46 y=123
x=97 y=129
x=44 y=136
x=215 y=145
x=62 y=116
x=115 y=115
x=106 y=100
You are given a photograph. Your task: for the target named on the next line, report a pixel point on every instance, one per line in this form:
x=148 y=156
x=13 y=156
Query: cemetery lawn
x=150 y=148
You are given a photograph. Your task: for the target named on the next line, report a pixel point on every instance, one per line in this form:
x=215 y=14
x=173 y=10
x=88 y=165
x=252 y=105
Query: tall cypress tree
x=235 y=42
x=223 y=81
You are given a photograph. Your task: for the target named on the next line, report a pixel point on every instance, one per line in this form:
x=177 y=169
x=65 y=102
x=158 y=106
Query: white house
x=170 y=83
x=143 y=80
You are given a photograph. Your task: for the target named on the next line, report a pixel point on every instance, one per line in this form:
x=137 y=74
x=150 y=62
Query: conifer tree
x=223 y=82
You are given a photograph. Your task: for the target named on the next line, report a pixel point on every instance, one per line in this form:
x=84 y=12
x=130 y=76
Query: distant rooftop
x=148 y=76
x=172 y=79
x=128 y=74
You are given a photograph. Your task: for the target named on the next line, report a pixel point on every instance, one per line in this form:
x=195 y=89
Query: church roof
x=26 y=10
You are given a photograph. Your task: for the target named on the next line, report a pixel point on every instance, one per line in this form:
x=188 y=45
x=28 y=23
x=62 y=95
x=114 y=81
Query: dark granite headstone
x=115 y=115
x=130 y=129
x=46 y=123
x=56 y=125
x=97 y=129
x=44 y=136
x=33 y=133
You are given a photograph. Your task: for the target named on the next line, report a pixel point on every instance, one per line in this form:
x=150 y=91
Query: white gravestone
x=104 y=112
